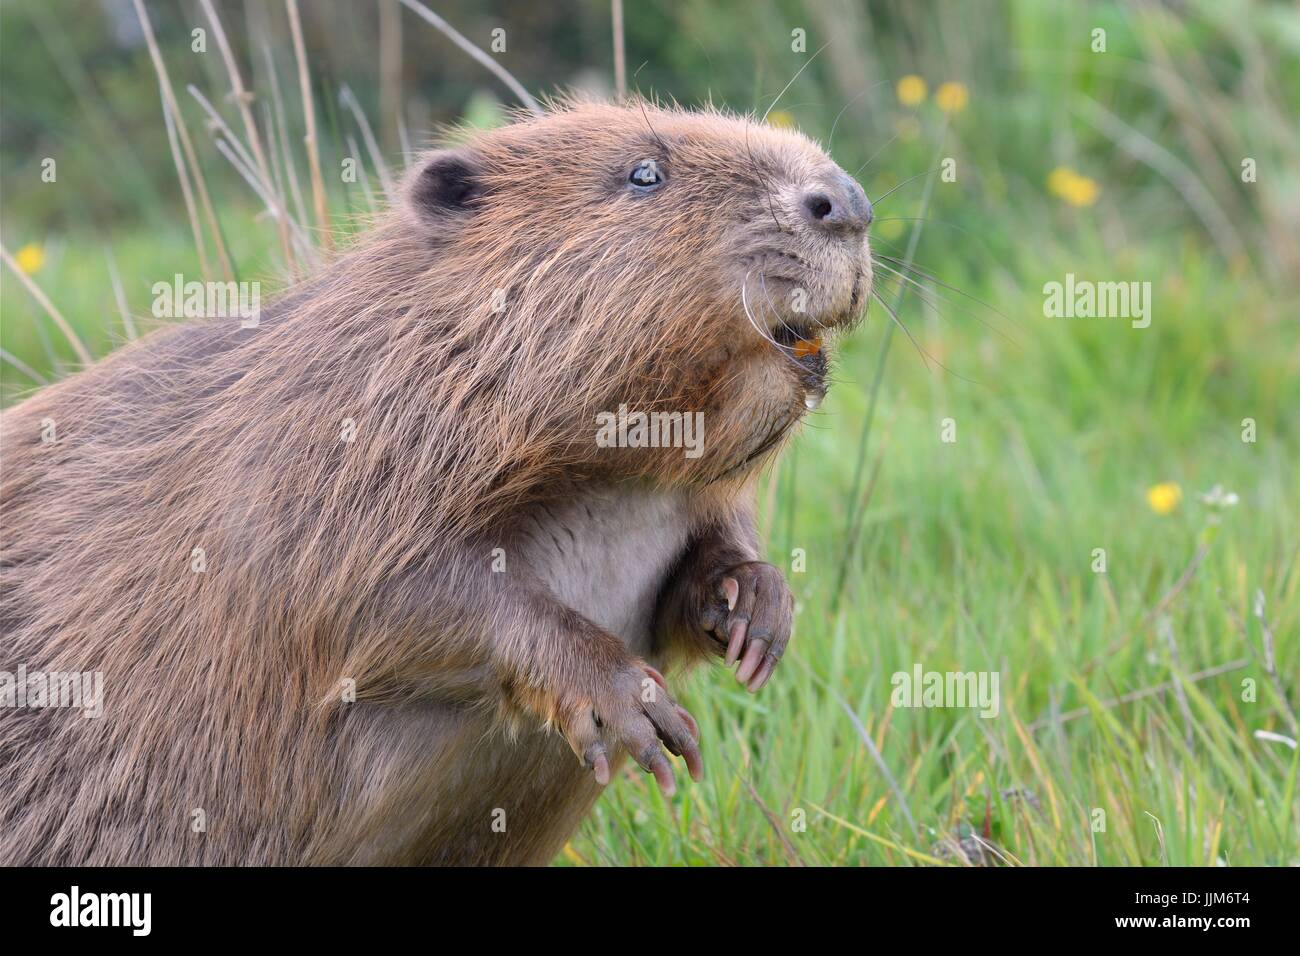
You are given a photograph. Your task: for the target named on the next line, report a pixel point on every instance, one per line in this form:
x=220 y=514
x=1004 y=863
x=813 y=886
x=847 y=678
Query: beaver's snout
x=838 y=205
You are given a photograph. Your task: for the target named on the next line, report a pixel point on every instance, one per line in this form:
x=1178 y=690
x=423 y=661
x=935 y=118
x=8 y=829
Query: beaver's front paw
x=751 y=616
x=633 y=711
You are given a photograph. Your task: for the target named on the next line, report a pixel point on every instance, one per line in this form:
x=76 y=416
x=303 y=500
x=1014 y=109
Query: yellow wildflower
x=1082 y=192
x=952 y=97
x=1164 y=497
x=30 y=258
x=911 y=90
x=1075 y=189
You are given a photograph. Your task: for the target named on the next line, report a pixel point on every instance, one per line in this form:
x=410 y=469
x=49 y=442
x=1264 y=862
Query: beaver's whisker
x=925 y=356
x=878 y=151
x=767 y=189
x=787 y=351
x=807 y=63
x=830 y=140
x=876 y=202
x=911 y=267
x=894 y=266
x=644 y=116
x=924 y=293
x=744 y=304
x=927 y=295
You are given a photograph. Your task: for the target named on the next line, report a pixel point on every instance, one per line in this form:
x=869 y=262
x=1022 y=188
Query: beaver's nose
x=839 y=205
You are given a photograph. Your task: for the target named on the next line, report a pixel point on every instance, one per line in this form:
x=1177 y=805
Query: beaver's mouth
x=802 y=341
x=798 y=336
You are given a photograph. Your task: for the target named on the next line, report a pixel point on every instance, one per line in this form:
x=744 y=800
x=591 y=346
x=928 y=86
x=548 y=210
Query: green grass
x=976 y=555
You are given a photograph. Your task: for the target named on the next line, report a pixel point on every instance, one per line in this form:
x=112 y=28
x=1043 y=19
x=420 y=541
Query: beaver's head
x=696 y=262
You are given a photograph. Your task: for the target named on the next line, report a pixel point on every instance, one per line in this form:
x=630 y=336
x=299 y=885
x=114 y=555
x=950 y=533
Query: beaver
x=359 y=578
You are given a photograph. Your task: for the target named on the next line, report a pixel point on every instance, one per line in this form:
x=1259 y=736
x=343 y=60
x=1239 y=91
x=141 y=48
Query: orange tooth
x=805 y=347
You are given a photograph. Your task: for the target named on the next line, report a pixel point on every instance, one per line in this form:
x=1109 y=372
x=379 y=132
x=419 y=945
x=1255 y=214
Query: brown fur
x=372 y=559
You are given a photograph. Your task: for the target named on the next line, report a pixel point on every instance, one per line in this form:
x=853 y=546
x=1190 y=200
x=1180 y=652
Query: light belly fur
x=606 y=552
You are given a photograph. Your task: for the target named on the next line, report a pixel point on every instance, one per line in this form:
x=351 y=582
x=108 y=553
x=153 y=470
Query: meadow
x=1104 y=514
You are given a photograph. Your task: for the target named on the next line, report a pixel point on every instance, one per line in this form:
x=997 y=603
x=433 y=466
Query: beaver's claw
x=633 y=711
x=751 y=617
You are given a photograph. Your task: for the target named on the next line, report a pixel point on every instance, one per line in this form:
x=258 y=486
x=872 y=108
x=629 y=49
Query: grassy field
x=1022 y=495
x=978 y=555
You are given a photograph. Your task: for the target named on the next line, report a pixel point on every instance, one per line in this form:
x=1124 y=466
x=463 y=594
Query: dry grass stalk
x=243 y=98
x=309 y=117
x=201 y=187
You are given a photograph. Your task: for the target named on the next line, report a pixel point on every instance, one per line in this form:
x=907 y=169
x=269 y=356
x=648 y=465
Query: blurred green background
x=1133 y=698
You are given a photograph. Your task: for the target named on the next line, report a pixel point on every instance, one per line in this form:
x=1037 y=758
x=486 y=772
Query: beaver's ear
x=449 y=183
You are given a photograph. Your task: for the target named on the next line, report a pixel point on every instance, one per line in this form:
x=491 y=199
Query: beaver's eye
x=646 y=175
